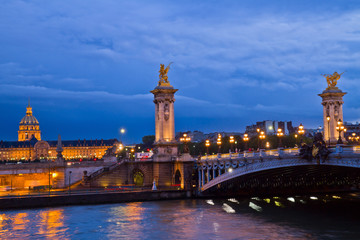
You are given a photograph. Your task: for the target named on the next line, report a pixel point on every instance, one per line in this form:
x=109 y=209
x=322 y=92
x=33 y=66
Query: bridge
x=279 y=171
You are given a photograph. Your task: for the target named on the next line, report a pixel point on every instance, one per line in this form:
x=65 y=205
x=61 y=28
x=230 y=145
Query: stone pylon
x=332 y=101
x=165 y=143
x=166 y=147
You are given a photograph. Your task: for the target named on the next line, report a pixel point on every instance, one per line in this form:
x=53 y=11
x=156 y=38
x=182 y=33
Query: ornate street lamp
x=185 y=139
x=353 y=137
x=340 y=127
x=132 y=153
x=218 y=142
x=280 y=134
x=231 y=140
x=246 y=139
x=258 y=131
x=301 y=131
x=262 y=136
x=296 y=139
x=207 y=145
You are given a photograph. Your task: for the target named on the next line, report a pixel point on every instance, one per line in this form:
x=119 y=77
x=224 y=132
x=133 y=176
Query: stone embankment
x=90 y=198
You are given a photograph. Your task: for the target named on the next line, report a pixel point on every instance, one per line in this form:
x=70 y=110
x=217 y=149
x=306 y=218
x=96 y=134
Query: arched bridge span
x=278 y=171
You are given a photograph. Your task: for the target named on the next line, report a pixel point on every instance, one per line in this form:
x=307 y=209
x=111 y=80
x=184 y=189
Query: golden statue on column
x=163 y=78
x=332 y=79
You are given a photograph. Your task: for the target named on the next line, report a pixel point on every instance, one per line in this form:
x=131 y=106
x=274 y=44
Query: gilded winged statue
x=332 y=79
x=163 y=78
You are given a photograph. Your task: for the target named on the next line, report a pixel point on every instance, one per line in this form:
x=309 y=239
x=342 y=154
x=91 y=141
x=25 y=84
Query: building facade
x=270 y=127
x=30 y=146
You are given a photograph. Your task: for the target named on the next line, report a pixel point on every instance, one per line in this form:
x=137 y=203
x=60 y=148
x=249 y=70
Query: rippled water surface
x=329 y=217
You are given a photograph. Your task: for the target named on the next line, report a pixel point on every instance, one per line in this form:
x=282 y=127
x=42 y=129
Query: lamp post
x=258 y=131
x=353 y=137
x=340 y=127
x=70 y=181
x=122 y=132
x=207 y=145
x=185 y=139
x=132 y=154
x=262 y=136
x=231 y=140
x=301 y=131
x=328 y=123
x=246 y=139
x=218 y=142
x=49 y=176
x=280 y=134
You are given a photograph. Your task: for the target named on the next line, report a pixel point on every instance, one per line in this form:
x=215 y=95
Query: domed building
x=29 y=127
x=30 y=146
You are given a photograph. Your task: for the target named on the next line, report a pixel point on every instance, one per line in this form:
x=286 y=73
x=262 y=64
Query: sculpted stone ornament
x=317 y=150
x=166 y=112
x=163 y=78
x=332 y=79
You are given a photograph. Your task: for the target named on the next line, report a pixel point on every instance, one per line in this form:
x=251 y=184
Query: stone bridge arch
x=268 y=175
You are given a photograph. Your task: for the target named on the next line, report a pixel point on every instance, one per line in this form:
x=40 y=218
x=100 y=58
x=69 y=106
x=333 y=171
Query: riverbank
x=91 y=198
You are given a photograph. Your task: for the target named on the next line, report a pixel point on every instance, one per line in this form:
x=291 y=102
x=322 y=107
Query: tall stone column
x=165 y=143
x=332 y=101
x=166 y=147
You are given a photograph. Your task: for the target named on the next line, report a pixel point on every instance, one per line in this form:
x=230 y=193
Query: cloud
x=49 y=93
x=231 y=58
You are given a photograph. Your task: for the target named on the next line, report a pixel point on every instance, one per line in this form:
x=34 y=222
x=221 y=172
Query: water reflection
x=51 y=223
x=292 y=217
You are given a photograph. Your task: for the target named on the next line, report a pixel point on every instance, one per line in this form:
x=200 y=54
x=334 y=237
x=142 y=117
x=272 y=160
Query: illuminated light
x=20 y=174
x=54 y=175
x=267 y=200
x=256 y=198
x=278 y=204
x=227 y=208
x=230 y=170
x=255 y=207
x=302 y=201
x=313 y=198
x=69 y=163
x=270 y=128
x=336 y=197
x=233 y=200
x=291 y=199
x=210 y=202
x=122 y=131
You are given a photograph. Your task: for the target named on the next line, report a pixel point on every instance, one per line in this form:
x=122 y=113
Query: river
x=305 y=217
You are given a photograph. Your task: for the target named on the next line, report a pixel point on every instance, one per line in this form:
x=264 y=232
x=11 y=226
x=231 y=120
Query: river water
x=305 y=217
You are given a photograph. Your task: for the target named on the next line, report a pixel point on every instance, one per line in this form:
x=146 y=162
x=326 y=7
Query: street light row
x=261 y=134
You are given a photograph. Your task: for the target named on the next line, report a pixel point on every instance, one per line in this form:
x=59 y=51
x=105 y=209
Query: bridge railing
x=261 y=153
x=210 y=173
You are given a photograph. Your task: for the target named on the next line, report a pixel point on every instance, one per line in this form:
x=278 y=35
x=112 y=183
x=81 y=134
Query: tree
x=148 y=141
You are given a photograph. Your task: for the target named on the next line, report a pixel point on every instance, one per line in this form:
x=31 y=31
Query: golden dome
x=29 y=119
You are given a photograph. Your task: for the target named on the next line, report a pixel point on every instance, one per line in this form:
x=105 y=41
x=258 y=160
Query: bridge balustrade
x=261 y=153
x=215 y=168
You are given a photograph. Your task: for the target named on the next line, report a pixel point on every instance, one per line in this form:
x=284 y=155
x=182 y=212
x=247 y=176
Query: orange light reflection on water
x=50 y=223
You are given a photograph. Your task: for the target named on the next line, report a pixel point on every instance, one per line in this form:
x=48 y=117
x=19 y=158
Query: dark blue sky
x=88 y=66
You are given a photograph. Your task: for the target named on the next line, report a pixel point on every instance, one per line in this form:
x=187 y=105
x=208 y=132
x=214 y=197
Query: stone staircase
x=86 y=181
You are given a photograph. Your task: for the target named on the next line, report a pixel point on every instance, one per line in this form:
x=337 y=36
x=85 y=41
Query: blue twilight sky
x=88 y=66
